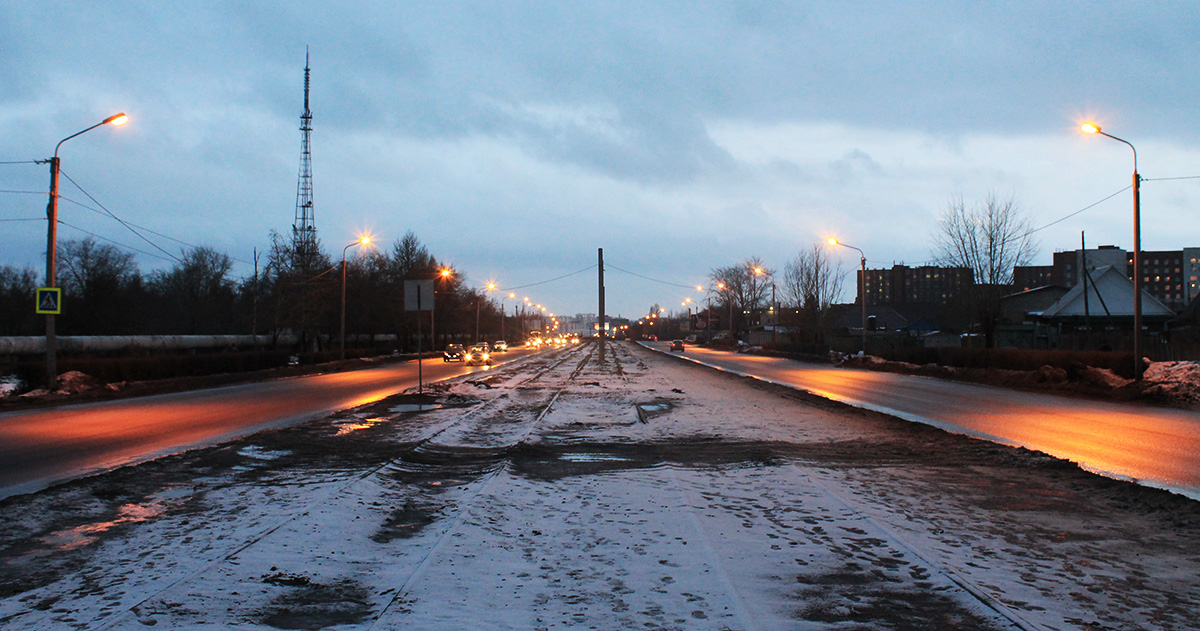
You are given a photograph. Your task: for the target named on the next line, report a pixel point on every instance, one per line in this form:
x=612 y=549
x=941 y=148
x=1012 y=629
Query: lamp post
x=729 y=296
x=1092 y=128
x=52 y=246
x=442 y=273
x=758 y=271
x=862 y=289
x=342 y=329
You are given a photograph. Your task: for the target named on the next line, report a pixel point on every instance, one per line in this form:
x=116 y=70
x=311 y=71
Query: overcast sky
x=516 y=138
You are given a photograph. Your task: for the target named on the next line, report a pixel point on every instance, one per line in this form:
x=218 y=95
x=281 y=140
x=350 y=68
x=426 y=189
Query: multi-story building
x=1191 y=270
x=926 y=284
x=1172 y=276
x=1163 y=277
x=1026 y=277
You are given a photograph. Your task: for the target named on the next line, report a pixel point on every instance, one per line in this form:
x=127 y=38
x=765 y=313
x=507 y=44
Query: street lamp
x=443 y=273
x=862 y=290
x=342 y=331
x=52 y=245
x=729 y=296
x=1092 y=128
x=758 y=271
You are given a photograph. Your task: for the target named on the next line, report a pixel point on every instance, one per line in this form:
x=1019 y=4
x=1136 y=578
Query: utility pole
x=600 y=255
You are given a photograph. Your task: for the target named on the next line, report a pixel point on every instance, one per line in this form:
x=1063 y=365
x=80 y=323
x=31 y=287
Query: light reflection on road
x=40 y=446
x=1154 y=445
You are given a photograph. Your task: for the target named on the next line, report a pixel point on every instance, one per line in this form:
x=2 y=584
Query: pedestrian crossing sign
x=49 y=300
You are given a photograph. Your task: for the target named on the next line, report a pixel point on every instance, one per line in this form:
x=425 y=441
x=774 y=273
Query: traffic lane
x=39 y=446
x=1153 y=444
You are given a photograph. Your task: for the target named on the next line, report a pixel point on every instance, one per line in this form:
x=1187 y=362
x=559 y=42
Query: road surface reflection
x=1153 y=445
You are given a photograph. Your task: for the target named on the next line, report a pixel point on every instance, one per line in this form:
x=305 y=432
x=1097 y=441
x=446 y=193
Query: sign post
x=418 y=296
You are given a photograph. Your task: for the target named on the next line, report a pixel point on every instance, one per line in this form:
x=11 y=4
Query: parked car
x=454 y=353
x=677 y=345
x=500 y=346
x=479 y=354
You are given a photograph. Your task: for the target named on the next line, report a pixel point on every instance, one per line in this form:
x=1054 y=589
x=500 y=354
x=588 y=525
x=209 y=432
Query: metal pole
x=1137 y=272
x=863 y=294
x=420 y=374
x=342 y=329
x=51 y=248
x=775 y=311
x=52 y=245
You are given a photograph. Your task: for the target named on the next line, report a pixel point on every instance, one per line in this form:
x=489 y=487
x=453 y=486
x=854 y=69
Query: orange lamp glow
x=1089 y=128
x=116 y=119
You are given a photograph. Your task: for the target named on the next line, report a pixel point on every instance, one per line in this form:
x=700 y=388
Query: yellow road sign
x=49 y=300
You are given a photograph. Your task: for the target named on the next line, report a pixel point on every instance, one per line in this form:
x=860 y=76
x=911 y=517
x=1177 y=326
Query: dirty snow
x=602 y=490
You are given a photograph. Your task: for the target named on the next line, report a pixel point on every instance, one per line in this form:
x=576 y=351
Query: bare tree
x=741 y=289
x=989 y=239
x=812 y=281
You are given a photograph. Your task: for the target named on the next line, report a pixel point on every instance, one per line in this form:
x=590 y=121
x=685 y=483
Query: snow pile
x=9 y=385
x=1176 y=380
x=1103 y=377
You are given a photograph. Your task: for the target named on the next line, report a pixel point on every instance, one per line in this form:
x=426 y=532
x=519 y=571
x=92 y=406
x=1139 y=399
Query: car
x=454 y=353
x=479 y=354
x=677 y=345
x=500 y=346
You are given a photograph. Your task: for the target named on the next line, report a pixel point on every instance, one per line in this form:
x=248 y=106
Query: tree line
x=105 y=293
x=989 y=238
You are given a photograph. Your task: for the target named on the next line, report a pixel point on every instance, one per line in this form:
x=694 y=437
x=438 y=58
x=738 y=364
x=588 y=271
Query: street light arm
x=111 y=119
x=1129 y=144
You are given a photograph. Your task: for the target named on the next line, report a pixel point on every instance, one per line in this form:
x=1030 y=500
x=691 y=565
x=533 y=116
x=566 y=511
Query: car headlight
x=485 y=355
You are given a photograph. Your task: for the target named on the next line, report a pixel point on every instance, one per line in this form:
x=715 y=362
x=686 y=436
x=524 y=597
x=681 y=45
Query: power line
x=124 y=245
x=29 y=219
x=1088 y=207
x=1164 y=179
x=22 y=162
x=654 y=280
x=119 y=220
x=26 y=192
x=590 y=267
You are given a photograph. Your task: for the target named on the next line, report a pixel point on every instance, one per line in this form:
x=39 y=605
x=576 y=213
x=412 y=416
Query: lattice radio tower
x=304 y=229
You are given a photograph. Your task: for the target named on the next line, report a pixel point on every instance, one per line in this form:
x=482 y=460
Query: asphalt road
x=1157 y=446
x=42 y=446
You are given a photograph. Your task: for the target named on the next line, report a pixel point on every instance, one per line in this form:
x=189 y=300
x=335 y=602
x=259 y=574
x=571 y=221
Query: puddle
x=80 y=536
x=416 y=407
x=347 y=428
x=592 y=457
x=261 y=453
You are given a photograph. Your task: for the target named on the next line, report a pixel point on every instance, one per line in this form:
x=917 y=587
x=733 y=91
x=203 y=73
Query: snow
x=538 y=497
x=1179 y=380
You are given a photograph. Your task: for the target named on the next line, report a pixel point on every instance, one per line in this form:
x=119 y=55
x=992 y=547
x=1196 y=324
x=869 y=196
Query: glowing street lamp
x=51 y=246
x=1092 y=128
x=365 y=240
x=862 y=290
x=758 y=271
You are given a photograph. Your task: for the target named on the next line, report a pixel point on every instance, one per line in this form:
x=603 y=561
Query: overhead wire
x=543 y=282
x=124 y=245
x=118 y=219
x=654 y=280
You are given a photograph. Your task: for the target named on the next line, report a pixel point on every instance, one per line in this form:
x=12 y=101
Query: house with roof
x=1101 y=305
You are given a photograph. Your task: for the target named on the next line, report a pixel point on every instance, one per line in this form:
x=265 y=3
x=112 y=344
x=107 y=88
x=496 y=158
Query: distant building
x=1026 y=277
x=927 y=284
x=1171 y=276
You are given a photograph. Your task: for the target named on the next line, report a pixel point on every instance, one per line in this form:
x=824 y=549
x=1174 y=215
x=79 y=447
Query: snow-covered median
x=603 y=489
